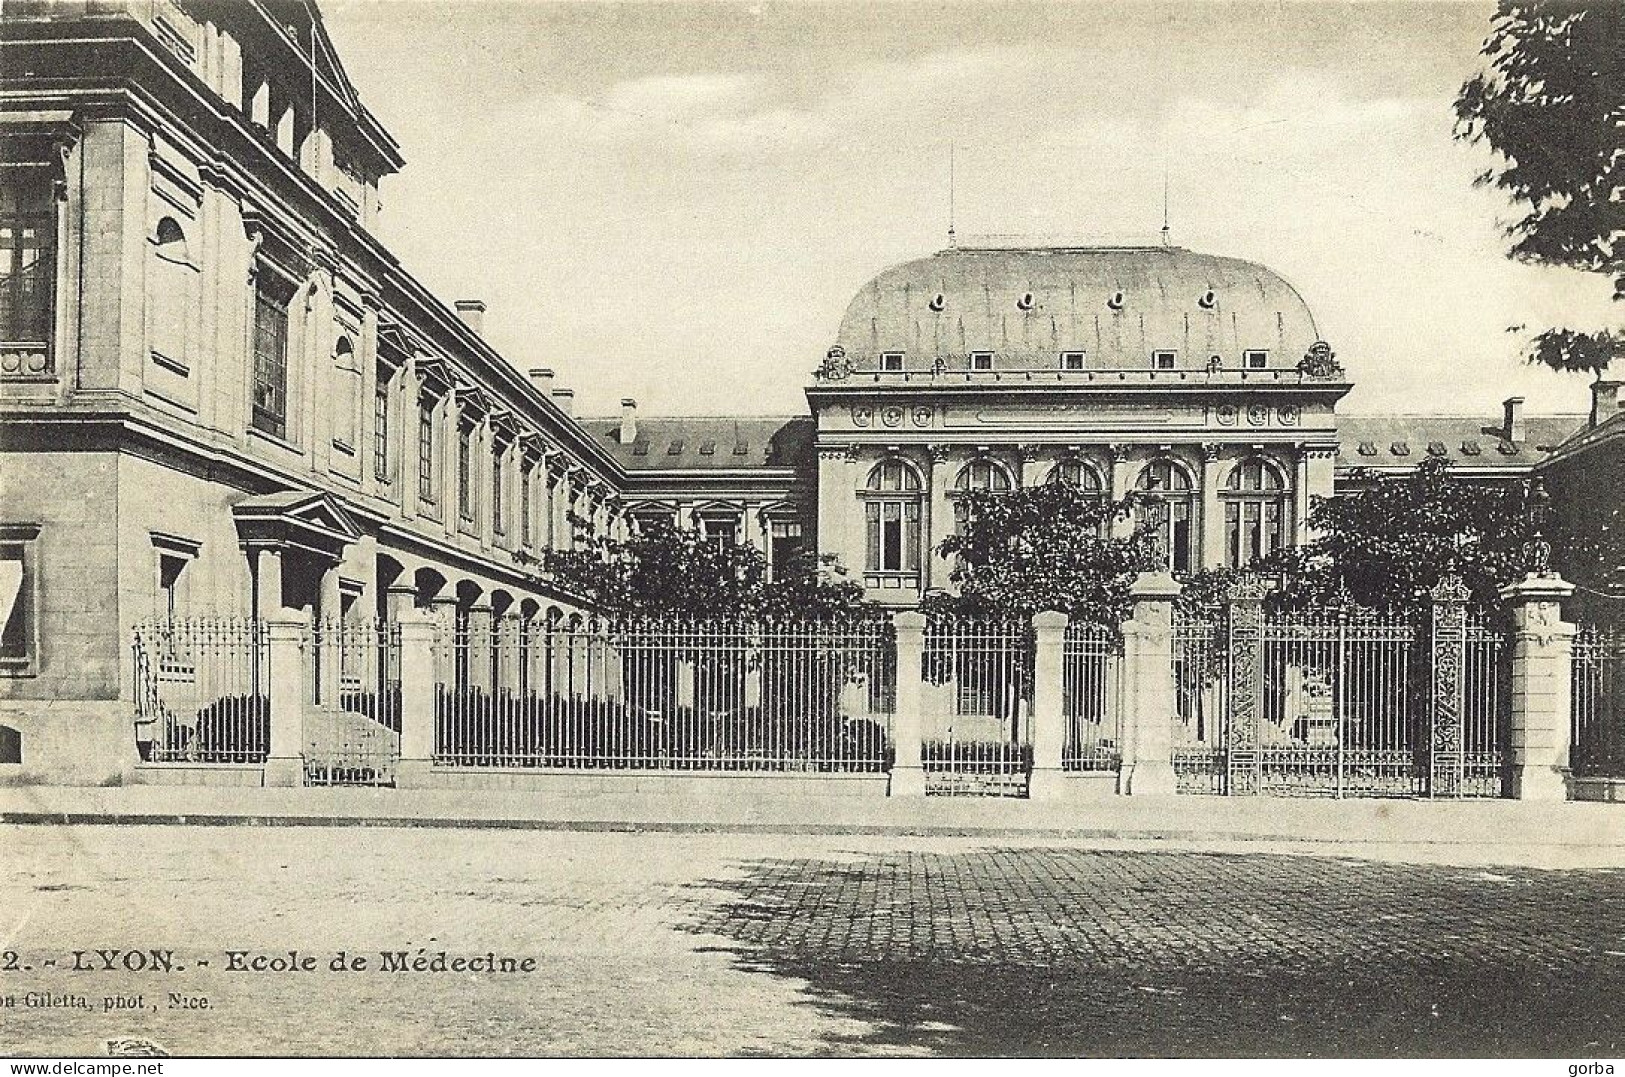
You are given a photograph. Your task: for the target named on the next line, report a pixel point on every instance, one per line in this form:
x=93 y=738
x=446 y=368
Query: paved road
x=683 y=944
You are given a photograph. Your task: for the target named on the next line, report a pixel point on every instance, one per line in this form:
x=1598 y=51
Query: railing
x=1486 y=719
x=811 y=696
x=976 y=738
x=201 y=691
x=1091 y=697
x=352 y=720
x=1597 y=723
x=1200 y=685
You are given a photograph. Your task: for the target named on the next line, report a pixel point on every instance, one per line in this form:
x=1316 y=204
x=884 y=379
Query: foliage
x=1551 y=105
x=1391 y=538
x=676 y=571
x=1042 y=548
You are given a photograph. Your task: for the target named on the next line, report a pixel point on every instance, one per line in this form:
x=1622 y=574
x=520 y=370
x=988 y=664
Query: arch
x=893 y=475
x=1255 y=474
x=501 y=600
x=1168 y=509
x=1075 y=471
x=983 y=473
x=1256 y=502
x=428 y=584
x=468 y=593
x=1164 y=474
x=170 y=239
x=529 y=608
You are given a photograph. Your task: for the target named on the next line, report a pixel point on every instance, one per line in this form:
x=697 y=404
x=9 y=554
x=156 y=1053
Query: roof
x=1468 y=441
x=707 y=443
x=1588 y=436
x=1027 y=305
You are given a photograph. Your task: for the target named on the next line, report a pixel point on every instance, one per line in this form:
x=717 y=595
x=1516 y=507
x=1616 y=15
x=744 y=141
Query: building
x=219 y=393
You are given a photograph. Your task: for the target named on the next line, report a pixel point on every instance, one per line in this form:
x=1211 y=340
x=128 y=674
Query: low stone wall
x=647 y=782
x=1599 y=790
x=218 y=775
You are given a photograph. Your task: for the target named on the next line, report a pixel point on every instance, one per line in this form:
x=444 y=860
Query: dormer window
x=1255 y=360
x=981 y=360
x=1072 y=360
x=1162 y=360
x=891 y=362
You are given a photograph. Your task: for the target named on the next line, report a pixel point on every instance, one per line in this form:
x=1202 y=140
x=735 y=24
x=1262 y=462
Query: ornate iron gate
x=978 y=685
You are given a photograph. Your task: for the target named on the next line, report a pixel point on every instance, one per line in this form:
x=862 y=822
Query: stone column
x=1301 y=482
x=418 y=629
x=1121 y=526
x=1049 y=713
x=1212 y=553
x=907 y=774
x=400 y=600
x=286 y=631
x=1150 y=707
x=1542 y=692
x=939 y=521
x=267 y=581
x=1030 y=472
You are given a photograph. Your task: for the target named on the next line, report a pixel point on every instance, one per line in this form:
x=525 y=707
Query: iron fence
x=667 y=695
x=352 y=718
x=1091 y=697
x=201 y=690
x=1597 y=721
x=1200 y=686
x=976 y=735
x=1486 y=719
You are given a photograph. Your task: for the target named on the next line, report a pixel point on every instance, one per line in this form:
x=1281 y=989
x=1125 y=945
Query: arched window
x=170 y=241
x=347 y=393
x=980 y=474
x=1255 y=512
x=891 y=508
x=172 y=289
x=1074 y=472
x=1167 y=504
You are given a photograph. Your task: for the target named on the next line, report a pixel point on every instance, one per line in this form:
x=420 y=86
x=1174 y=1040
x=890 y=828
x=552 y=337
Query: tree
x=1042 y=548
x=1391 y=538
x=1551 y=105
x=666 y=570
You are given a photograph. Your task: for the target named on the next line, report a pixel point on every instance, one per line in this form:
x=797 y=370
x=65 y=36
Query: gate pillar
x=1245 y=764
x=1542 y=691
x=1151 y=707
x=286 y=633
x=907 y=772
x=417 y=633
x=1447 y=657
x=1049 y=714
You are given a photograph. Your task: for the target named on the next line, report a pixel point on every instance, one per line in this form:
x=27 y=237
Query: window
x=720 y=529
x=498 y=524
x=981 y=360
x=1255 y=360
x=1255 y=512
x=892 y=520
x=1162 y=360
x=891 y=361
x=1167 y=510
x=27 y=269
x=172 y=587
x=977 y=475
x=1072 y=360
x=170 y=297
x=426 y=468
x=784 y=545
x=1074 y=472
x=270 y=410
x=465 y=473
x=19 y=611
x=527 y=477
x=346 y=405
x=380 y=429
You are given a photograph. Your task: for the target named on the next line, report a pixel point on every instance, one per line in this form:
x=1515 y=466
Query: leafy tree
x=667 y=570
x=1551 y=105
x=1042 y=548
x=1391 y=538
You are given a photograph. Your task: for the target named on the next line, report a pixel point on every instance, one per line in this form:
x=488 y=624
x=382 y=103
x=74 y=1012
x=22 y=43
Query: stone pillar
x=1030 y=472
x=329 y=623
x=1542 y=692
x=418 y=630
x=267 y=581
x=907 y=774
x=1212 y=553
x=1121 y=526
x=400 y=600
x=1150 y=707
x=507 y=652
x=443 y=609
x=481 y=645
x=1049 y=713
x=286 y=631
x=939 y=521
x=833 y=497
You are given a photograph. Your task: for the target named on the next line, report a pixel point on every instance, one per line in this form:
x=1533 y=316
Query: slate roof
x=1467 y=441
x=707 y=443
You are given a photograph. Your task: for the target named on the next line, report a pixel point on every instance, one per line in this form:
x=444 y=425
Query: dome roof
x=1117 y=305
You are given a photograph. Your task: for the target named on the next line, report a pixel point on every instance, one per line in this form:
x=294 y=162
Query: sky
x=675 y=201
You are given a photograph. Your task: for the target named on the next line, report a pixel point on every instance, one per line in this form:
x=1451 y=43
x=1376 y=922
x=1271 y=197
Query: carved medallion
x=1225 y=414
x=1258 y=414
x=922 y=416
x=1288 y=414
x=892 y=416
x=862 y=415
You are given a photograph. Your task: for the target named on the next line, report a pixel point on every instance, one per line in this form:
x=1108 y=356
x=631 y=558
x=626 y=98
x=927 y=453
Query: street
x=672 y=944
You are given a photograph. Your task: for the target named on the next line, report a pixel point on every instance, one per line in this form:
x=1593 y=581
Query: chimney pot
x=1605 y=401
x=472 y=312
x=542 y=378
x=566 y=400
x=629 y=420
x=1512 y=427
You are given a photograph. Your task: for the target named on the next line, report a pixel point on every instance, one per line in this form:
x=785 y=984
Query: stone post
x=1542 y=692
x=481 y=645
x=417 y=629
x=907 y=774
x=1049 y=714
x=1150 y=707
x=286 y=633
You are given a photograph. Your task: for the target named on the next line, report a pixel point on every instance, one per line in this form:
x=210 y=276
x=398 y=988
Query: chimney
x=1512 y=420
x=542 y=378
x=1605 y=402
x=472 y=312
x=566 y=400
x=629 y=421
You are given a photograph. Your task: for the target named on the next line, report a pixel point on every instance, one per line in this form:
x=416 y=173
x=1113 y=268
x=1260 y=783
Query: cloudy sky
x=675 y=202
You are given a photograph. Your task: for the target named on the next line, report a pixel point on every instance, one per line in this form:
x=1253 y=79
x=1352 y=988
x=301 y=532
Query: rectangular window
x=981 y=360
x=721 y=530
x=527 y=475
x=380 y=430
x=27 y=269
x=19 y=625
x=1162 y=360
x=891 y=361
x=498 y=524
x=783 y=545
x=1255 y=360
x=270 y=412
x=1072 y=360
x=465 y=474
x=893 y=536
x=426 y=468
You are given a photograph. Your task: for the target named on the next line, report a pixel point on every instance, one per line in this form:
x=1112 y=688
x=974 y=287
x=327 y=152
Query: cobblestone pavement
x=705 y=944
